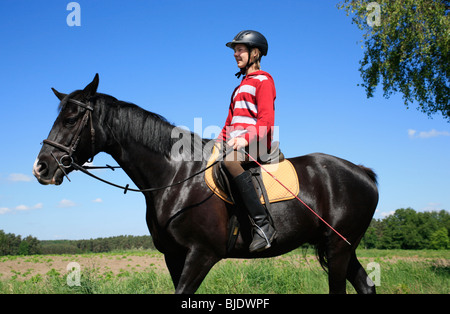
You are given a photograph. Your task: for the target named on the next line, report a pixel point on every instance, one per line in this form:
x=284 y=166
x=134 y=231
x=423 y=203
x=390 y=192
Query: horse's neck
x=146 y=166
x=146 y=147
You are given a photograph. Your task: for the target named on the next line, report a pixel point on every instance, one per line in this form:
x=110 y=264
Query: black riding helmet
x=252 y=39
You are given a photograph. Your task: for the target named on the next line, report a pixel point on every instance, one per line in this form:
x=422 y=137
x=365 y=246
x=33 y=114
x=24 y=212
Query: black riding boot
x=263 y=231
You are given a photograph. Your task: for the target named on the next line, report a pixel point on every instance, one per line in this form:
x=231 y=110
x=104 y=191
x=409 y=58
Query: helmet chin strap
x=243 y=71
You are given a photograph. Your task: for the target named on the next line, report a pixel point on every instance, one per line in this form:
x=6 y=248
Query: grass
x=400 y=272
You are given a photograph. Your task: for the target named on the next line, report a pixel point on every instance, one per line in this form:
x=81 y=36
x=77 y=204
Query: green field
x=396 y=272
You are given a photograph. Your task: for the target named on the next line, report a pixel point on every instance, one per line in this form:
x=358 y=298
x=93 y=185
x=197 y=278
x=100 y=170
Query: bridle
x=66 y=161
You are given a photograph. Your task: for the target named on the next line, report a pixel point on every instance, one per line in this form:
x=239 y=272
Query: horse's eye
x=70 y=121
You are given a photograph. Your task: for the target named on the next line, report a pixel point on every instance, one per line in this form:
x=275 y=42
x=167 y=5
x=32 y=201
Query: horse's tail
x=321 y=245
x=372 y=175
x=321 y=255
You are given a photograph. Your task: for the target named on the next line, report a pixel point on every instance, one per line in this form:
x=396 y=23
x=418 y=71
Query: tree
x=3 y=244
x=34 y=245
x=408 y=229
x=408 y=48
x=439 y=239
x=23 y=248
x=371 y=237
x=391 y=233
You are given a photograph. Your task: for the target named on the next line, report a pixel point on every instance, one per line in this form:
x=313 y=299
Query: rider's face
x=241 y=55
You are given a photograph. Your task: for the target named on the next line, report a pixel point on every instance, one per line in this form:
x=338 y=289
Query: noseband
x=66 y=161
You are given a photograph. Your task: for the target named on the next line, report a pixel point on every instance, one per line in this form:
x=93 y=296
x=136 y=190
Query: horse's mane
x=146 y=127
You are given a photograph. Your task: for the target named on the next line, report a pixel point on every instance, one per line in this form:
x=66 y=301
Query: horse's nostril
x=42 y=168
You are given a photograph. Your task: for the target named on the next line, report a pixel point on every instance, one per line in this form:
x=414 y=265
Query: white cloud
x=66 y=203
x=38 y=206
x=427 y=134
x=411 y=133
x=432 y=207
x=4 y=210
x=97 y=200
x=19 y=177
x=385 y=214
x=25 y=207
x=22 y=207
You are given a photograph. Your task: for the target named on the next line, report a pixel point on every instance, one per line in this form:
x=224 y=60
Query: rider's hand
x=237 y=143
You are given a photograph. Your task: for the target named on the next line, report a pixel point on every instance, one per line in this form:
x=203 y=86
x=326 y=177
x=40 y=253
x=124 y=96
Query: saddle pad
x=284 y=172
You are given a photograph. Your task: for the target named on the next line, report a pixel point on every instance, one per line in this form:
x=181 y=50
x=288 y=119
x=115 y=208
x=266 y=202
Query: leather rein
x=66 y=161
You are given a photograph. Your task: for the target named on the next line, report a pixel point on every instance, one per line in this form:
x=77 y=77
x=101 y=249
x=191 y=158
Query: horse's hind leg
x=338 y=257
x=358 y=277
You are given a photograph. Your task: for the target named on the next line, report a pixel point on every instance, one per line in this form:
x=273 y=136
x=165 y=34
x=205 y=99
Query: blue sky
x=169 y=57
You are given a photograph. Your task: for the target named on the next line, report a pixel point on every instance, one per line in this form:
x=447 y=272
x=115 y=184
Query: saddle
x=266 y=187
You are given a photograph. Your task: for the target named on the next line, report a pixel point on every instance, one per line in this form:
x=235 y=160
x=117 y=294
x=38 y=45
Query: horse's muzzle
x=44 y=174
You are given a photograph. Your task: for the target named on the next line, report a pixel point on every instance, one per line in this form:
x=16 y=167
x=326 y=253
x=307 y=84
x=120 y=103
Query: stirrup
x=268 y=245
x=263 y=237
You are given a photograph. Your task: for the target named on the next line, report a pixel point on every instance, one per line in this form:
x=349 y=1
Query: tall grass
x=267 y=276
x=411 y=272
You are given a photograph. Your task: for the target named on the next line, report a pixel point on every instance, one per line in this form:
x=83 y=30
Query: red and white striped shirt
x=252 y=110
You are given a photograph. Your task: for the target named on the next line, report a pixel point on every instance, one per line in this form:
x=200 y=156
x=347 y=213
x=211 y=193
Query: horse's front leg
x=175 y=264
x=197 y=264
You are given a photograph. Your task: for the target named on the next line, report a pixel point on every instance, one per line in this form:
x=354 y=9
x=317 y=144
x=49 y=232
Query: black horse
x=188 y=222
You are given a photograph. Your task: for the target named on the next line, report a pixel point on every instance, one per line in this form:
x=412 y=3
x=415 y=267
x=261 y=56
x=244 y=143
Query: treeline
x=99 y=245
x=405 y=229
x=408 y=229
x=10 y=244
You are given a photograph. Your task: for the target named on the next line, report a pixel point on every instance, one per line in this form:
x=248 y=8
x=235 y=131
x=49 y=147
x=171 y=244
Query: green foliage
x=408 y=229
x=10 y=244
x=439 y=239
x=407 y=49
x=98 y=245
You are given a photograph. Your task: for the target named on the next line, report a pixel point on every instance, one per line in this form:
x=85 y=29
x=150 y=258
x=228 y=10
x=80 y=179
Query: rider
x=249 y=126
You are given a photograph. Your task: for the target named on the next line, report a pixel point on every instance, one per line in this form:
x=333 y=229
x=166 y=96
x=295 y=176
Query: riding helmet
x=252 y=39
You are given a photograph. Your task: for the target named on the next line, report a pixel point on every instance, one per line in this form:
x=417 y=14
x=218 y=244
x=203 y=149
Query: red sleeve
x=265 y=100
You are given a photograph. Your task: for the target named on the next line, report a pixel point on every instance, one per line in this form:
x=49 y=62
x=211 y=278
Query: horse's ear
x=91 y=88
x=58 y=94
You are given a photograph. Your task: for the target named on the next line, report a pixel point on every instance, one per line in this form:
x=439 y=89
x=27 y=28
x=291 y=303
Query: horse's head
x=72 y=137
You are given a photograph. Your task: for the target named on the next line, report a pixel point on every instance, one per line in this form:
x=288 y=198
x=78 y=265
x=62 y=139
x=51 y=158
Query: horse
x=187 y=221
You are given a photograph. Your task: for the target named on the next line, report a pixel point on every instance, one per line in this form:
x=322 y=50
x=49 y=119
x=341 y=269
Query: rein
x=127 y=188
x=66 y=161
